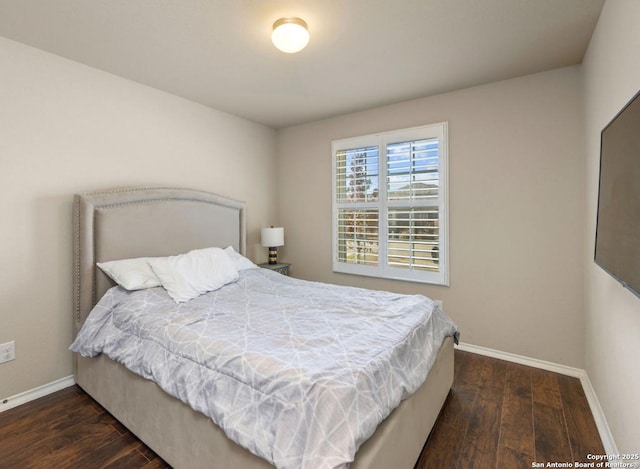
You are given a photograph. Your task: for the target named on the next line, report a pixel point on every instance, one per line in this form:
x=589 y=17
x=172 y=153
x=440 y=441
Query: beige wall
x=516 y=209
x=611 y=77
x=66 y=128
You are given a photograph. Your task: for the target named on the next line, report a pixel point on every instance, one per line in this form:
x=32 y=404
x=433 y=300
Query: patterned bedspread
x=300 y=373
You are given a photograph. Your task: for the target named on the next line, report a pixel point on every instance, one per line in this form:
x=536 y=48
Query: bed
x=148 y=222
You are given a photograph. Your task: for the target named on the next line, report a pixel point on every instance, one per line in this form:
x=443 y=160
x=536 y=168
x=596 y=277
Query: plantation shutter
x=413 y=177
x=357 y=181
x=390 y=205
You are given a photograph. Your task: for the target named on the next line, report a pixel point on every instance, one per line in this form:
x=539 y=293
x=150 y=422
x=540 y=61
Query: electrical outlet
x=7 y=352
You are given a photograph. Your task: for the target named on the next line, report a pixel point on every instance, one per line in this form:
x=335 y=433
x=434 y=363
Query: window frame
x=381 y=141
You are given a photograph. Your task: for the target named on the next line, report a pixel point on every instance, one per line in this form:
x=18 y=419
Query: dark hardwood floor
x=504 y=415
x=68 y=429
x=498 y=415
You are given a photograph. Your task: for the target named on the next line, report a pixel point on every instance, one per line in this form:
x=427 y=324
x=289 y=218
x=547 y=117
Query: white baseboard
x=598 y=415
x=32 y=394
x=601 y=422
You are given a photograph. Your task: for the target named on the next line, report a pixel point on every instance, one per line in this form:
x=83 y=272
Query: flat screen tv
x=618 y=226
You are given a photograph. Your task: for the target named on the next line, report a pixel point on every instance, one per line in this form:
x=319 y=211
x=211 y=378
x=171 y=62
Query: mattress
x=300 y=373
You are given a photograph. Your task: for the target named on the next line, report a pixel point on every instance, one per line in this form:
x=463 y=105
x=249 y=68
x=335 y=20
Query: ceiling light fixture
x=290 y=35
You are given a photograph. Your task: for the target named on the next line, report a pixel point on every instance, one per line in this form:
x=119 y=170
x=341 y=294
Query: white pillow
x=189 y=275
x=241 y=262
x=132 y=274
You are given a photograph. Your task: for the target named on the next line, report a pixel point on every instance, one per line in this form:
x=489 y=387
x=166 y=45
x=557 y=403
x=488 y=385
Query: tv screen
x=618 y=225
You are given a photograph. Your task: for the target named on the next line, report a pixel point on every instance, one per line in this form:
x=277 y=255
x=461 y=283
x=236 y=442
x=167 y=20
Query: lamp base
x=273 y=255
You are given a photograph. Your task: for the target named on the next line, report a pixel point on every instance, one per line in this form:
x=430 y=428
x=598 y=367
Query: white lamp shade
x=290 y=35
x=272 y=237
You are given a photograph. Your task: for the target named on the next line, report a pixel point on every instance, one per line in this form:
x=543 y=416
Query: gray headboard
x=144 y=222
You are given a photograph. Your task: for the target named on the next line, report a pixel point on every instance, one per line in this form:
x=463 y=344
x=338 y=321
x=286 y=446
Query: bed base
x=188 y=439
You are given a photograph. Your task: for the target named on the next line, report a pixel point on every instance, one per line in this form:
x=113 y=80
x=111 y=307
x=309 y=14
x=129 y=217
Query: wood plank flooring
x=498 y=415
x=504 y=415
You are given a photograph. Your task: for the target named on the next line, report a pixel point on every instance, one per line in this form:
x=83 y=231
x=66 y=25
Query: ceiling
x=362 y=53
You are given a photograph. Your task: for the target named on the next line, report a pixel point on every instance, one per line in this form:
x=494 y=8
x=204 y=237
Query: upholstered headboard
x=145 y=222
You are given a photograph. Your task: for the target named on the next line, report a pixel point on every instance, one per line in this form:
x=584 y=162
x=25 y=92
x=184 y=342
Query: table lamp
x=272 y=238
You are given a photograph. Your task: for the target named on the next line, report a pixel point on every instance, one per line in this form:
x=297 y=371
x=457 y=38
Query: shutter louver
x=358 y=236
x=412 y=170
x=357 y=175
x=413 y=240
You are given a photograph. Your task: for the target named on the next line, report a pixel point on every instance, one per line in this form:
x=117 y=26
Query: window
x=390 y=205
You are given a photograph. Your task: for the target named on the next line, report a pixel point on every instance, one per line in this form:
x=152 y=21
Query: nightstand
x=280 y=267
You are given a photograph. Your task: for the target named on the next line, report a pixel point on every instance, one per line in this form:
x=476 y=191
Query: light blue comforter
x=300 y=373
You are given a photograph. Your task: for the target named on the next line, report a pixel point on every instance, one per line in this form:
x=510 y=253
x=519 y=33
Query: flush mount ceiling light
x=290 y=35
